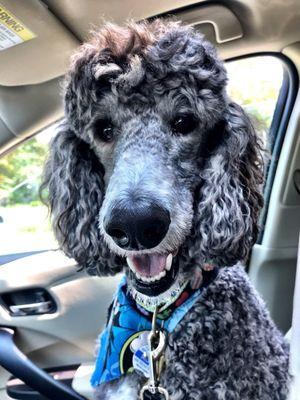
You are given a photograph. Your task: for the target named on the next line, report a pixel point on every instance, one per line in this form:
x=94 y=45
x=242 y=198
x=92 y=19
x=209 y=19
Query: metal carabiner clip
x=152 y=390
x=157 y=345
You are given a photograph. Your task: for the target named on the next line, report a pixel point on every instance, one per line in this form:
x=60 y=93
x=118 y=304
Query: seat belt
x=295 y=338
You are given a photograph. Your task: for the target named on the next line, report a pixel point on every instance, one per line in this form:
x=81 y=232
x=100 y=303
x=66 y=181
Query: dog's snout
x=138 y=227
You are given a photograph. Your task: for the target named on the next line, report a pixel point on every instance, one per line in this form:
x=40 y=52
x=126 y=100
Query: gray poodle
x=157 y=173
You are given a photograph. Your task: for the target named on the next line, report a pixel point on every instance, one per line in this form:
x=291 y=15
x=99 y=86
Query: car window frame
x=283 y=109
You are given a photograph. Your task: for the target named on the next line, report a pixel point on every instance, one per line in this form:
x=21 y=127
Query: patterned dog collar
x=123 y=343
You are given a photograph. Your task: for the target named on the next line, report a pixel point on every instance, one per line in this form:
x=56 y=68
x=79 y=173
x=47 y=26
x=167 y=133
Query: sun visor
x=24 y=110
x=34 y=45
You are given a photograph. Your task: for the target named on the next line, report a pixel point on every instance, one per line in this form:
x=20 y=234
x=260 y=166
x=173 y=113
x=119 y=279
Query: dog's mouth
x=153 y=274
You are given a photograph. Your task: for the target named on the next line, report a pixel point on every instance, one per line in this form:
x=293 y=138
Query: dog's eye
x=104 y=130
x=184 y=124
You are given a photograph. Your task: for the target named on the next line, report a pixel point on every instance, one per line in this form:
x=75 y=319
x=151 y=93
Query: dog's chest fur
x=226 y=347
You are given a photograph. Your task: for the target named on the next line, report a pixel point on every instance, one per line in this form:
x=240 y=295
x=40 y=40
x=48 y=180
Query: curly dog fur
x=139 y=78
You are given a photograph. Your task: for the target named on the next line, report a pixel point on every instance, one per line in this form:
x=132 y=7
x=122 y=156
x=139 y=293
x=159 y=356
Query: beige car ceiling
x=31 y=72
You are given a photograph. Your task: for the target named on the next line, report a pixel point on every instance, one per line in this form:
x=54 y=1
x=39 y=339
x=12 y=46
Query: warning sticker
x=12 y=30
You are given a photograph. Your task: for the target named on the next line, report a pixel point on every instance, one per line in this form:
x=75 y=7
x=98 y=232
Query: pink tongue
x=149 y=264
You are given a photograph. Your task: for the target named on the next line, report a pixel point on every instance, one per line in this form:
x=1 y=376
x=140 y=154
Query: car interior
x=52 y=311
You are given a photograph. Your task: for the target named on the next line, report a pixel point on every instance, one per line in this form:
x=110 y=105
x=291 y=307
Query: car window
x=24 y=220
x=264 y=86
x=255 y=83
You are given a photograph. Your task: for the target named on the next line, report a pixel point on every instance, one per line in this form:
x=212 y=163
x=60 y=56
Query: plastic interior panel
x=43 y=100
x=273 y=262
x=291 y=196
x=282 y=223
x=91 y=13
x=226 y=25
x=5 y=133
x=273 y=273
x=24 y=109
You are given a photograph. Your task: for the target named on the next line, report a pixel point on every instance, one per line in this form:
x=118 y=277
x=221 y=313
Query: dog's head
x=153 y=164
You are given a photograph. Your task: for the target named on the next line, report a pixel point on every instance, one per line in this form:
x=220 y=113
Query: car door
x=62 y=335
x=56 y=309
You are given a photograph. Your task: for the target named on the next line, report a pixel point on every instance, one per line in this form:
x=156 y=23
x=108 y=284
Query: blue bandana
x=123 y=343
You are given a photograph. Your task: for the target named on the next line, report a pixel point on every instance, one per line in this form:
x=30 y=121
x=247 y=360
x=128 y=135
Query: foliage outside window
x=20 y=174
x=255 y=83
x=25 y=222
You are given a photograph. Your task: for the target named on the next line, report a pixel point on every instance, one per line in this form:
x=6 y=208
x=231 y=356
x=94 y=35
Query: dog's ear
x=73 y=187
x=230 y=197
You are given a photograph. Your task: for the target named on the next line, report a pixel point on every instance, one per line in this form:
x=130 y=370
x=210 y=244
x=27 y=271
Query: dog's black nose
x=138 y=227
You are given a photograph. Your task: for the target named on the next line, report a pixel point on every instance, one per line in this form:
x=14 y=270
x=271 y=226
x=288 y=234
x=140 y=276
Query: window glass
x=24 y=220
x=255 y=83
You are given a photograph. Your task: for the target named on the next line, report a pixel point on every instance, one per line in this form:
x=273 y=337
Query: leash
x=157 y=345
x=135 y=339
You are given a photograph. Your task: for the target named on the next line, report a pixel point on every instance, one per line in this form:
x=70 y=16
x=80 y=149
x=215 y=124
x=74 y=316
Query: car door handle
x=28 y=302
x=16 y=362
x=42 y=307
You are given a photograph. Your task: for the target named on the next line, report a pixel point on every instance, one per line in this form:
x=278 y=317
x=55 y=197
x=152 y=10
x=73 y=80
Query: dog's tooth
x=159 y=276
x=131 y=265
x=169 y=262
x=162 y=274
